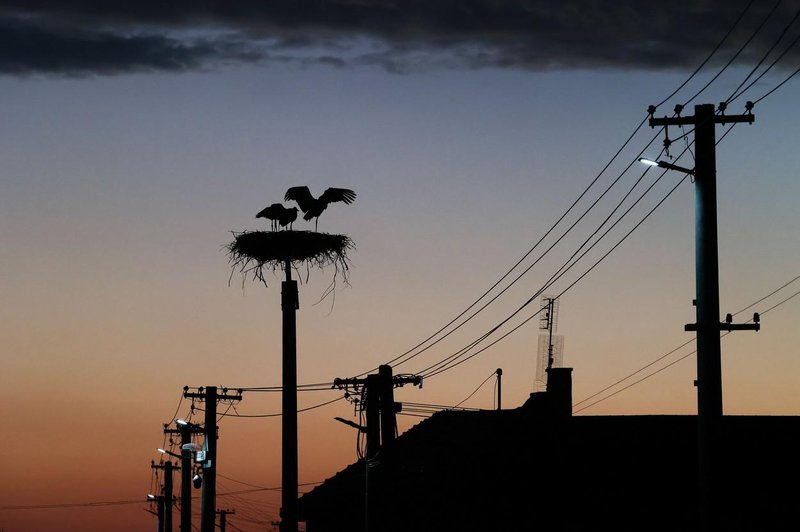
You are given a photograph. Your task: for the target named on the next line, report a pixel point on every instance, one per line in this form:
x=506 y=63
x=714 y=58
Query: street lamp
x=164 y=451
x=189 y=424
x=666 y=165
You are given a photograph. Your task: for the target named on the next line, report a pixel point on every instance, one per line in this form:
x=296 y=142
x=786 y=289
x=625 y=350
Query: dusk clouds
x=85 y=37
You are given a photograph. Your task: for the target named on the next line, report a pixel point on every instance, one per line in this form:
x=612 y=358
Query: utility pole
x=185 y=429
x=708 y=326
x=379 y=404
x=209 y=494
x=381 y=427
x=386 y=404
x=159 y=500
x=223 y=514
x=290 y=302
x=165 y=500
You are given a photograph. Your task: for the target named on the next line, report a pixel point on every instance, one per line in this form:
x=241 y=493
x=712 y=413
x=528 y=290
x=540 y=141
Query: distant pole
x=208 y=499
x=289 y=306
x=160 y=501
x=223 y=518
x=164 y=512
x=499 y=388
x=168 y=496
x=186 y=479
x=209 y=495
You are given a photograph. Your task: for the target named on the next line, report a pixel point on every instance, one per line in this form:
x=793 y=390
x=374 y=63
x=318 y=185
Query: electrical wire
x=434 y=369
x=781 y=84
x=452 y=361
x=603 y=257
x=278 y=414
x=475 y=391
x=586 y=190
x=751 y=305
x=591 y=184
x=709 y=56
x=735 y=94
x=738 y=52
x=66 y=505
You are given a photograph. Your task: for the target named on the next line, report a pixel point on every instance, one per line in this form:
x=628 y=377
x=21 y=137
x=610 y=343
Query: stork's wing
x=302 y=196
x=338 y=194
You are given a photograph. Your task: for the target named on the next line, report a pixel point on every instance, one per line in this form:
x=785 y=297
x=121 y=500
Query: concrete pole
x=208 y=499
x=168 y=496
x=709 y=366
x=388 y=418
x=186 y=480
x=289 y=306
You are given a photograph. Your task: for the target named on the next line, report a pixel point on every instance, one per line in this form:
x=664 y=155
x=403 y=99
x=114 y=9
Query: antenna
x=551 y=346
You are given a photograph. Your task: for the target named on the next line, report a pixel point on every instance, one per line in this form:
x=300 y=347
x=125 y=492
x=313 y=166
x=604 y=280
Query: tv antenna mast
x=551 y=345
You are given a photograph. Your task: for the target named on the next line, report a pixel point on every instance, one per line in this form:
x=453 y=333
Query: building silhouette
x=536 y=467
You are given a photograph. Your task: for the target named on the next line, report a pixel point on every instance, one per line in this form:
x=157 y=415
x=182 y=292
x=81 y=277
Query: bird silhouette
x=288 y=217
x=312 y=207
x=278 y=214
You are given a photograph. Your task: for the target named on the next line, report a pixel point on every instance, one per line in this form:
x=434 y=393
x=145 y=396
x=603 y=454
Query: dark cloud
x=27 y=48
x=398 y=35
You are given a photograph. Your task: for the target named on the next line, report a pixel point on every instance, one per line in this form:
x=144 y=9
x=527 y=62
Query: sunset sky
x=134 y=140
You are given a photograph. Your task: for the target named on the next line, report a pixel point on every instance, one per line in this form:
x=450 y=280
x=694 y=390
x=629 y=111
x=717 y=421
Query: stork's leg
x=316 y=221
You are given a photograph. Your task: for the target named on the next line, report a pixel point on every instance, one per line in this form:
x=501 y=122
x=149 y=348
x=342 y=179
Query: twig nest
x=256 y=251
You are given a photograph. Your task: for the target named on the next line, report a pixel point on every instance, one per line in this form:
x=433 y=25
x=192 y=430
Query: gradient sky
x=134 y=141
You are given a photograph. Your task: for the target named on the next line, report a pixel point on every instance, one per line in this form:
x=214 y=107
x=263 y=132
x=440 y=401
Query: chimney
x=559 y=391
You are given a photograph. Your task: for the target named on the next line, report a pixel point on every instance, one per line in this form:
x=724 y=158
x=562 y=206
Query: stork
x=313 y=207
x=288 y=217
x=275 y=213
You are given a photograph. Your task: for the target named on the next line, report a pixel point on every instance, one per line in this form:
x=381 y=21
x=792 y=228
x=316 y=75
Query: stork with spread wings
x=313 y=207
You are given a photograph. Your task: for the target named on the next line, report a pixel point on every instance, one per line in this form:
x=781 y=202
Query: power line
x=459 y=362
x=781 y=84
x=678 y=348
x=569 y=209
x=735 y=94
x=583 y=193
x=94 y=504
x=709 y=56
x=739 y=51
x=440 y=366
x=278 y=414
x=492 y=374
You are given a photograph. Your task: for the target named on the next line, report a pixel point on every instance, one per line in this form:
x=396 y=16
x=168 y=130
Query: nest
x=254 y=252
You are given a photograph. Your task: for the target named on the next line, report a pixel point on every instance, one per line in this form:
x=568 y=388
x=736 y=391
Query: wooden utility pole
x=708 y=326
x=209 y=494
x=289 y=305
x=223 y=515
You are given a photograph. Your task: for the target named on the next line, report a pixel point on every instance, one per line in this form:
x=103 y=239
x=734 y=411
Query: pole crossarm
x=192 y=430
x=693 y=121
x=224 y=396
x=730 y=327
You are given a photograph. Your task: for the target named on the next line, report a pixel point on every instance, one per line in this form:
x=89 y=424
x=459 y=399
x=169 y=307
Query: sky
x=134 y=140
